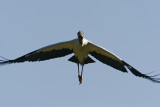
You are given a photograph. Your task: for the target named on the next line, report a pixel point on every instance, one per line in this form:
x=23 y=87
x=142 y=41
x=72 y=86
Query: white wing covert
x=109 y=58
x=45 y=53
x=106 y=57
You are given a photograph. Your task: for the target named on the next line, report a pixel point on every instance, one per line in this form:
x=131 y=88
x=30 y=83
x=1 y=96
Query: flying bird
x=81 y=48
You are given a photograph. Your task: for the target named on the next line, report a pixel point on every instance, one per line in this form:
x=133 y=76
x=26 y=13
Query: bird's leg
x=82 y=70
x=78 y=69
x=80 y=76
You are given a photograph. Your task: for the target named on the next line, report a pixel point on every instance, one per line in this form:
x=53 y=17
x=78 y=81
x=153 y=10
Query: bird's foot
x=80 y=79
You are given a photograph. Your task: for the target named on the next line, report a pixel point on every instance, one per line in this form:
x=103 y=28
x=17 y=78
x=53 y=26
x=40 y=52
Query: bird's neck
x=80 y=40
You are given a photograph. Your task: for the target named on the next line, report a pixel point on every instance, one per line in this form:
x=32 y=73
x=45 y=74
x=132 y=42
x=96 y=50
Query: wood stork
x=81 y=48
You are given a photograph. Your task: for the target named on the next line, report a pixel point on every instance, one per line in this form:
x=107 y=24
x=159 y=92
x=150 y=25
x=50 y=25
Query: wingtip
x=153 y=78
x=4 y=61
x=139 y=74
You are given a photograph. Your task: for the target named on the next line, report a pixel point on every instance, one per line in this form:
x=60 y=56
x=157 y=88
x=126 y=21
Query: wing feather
x=109 y=58
x=45 y=53
x=106 y=57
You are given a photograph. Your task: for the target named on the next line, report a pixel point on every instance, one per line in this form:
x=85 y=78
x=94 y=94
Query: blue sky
x=128 y=28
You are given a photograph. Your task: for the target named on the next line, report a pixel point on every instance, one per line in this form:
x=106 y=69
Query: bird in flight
x=81 y=48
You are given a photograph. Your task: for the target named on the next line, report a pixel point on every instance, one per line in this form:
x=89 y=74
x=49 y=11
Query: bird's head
x=80 y=36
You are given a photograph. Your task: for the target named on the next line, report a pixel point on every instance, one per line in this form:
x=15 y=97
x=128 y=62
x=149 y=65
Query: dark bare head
x=80 y=36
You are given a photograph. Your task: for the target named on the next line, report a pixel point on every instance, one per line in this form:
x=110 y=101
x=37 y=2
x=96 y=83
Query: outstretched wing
x=45 y=53
x=112 y=60
x=106 y=57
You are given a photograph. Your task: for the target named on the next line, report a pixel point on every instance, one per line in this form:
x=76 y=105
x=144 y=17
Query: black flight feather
x=39 y=56
x=137 y=73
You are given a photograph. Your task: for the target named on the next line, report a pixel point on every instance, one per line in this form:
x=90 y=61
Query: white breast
x=81 y=51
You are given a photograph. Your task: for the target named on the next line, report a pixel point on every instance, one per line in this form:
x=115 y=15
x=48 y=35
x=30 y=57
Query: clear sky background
x=128 y=28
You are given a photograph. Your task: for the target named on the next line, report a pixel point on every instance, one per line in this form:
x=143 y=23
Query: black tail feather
x=146 y=76
x=86 y=61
